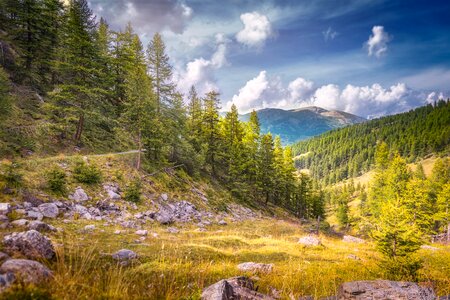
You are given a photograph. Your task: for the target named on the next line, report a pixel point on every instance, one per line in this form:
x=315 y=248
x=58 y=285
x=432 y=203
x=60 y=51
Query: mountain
x=348 y=152
x=299 y=124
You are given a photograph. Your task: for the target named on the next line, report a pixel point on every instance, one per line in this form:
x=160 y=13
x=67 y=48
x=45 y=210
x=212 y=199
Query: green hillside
x=349 y=152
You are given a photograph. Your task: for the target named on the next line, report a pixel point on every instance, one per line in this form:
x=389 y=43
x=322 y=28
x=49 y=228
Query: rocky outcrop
x=28 y=271
x=233 y=288
x=79 y=195
x=384 y=290
x=49 y=210
x=30 y=244
x=255 y=267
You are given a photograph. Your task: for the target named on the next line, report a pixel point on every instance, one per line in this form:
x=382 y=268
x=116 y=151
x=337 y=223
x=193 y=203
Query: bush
x=133 y=191
x=11 y=175
x=85 y=173
x=56 y=180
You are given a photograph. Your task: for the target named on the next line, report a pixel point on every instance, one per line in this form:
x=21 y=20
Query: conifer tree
x=194 y=123
x=211 y=129
x=266 y=167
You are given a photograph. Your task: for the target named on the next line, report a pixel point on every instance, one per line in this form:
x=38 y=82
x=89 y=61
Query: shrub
x=85 y=173
x=133 y=191
x=56 y=180
x=11 y=175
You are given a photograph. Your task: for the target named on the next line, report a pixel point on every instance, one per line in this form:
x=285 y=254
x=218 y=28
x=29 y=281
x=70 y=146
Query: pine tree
x=211 y=130
x=194 y=122
x=266 y=168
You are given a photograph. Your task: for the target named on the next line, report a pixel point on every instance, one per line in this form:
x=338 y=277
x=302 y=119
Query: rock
x=35 y=215
x=164 y=218
x=255 y=267
x=5 y=208
x=19 y=223
x=310 y=241
x=113 y=195
x=29 y=271
x=384 y=289
x=49 y=210
x=40 y=226
x=6 y=280
x=124 y=255
x=3 y=256
x=118 y=231
x=353 y=256
x=164 y=197
x=79 y=195
x=173 y=230
x=352 y=239
x=141 y=232
x=222 y=222
x=233 y=288
x=30 y=243
x=89 y=228
x=426 y=247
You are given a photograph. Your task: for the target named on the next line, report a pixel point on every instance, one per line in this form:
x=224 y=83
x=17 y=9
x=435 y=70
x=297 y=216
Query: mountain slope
x=299 y=124
x=349 y=152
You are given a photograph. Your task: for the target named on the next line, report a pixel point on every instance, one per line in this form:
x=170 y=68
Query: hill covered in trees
x=349 y=152
x=299 y=124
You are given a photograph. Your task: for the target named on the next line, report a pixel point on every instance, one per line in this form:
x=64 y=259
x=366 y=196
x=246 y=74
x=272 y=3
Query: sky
x=366 y=57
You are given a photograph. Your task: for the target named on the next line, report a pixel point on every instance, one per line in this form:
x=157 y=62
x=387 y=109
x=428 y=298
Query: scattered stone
x=118 y=231
x=35 y=215
x=30 y=243
x=124 y=255
x=310 y=241
x=427 y=247
x=49 y=210
x=255 y=267
x=173 y=230
x=384 y=289
x=222 y=222
x=113 y=195
x=19 y=223
x=353 y=256
x=29 y=271
x=5 y=208
x=142 y=232
x=164 y=197
x=40 y=226
x=233 y=288
x=155 y=235
x=352 y=239
x=79 y=195
x=89 y=228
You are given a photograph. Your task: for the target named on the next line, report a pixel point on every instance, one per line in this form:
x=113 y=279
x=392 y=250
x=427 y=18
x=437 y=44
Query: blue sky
x=366 y=57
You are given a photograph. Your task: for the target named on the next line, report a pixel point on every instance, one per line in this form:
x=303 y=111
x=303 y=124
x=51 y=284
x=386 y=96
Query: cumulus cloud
x=329 y=34
x=200 y=71
x=366 y=101
x=257 y=29
x=377 y=43
x=146 y=16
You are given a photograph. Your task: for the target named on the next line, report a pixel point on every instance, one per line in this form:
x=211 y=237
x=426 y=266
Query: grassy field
x=178 y=266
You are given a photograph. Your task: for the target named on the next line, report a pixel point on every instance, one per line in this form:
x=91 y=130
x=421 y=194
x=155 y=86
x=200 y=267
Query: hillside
x=349 y=152
x=303 y=123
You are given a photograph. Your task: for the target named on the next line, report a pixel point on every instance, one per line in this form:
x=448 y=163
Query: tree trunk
x=80 y=125
x=138 y=163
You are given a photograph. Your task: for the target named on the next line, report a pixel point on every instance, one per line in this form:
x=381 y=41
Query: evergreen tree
x=194 y=123
x=266 y=167
x=211 y=130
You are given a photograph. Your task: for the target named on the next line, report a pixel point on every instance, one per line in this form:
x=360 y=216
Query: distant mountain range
x=299 y=124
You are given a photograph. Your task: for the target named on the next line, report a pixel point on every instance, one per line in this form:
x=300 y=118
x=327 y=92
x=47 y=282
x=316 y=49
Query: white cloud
x=377 y=43
x=257 y=29
x=200 y=72
x=329 y=34
x=366 y=101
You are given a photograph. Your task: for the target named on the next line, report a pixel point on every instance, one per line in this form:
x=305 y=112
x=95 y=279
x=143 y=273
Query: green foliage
x=133 y=191
x=56 y=180
x=84 y=173
x=10 y=173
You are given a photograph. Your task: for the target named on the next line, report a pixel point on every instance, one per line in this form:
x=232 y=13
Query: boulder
x=255 y=267
x=30 y=243
x=19 y=223
x=142 y=232
x=79 y=195
x=164 y=217
x=352 y=239
x=5 y=208
x=222 y=222
x=384 y=289
x=173 y=230
x=49 y=210
x=233 y=288
x=35 y=215
x=113 y=195
x=164 y=197
x=89 y=228
x=310 y=240
x=40 y=226
x=29 y=271
x=124 y=255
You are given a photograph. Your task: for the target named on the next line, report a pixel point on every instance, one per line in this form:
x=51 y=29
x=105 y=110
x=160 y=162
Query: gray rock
x=19 y=223
x=233 y=288
x=353 y=256
x=30 y=243
x=384 y=289
x=79 y=195
x=222 y=222
x=164 y=197
x=35 y=215
x=3 y=256
x=6 y=280
x=124 y=255
x=89 y=228
x=310 y=241
x=40 y=226
x=49 y=210
x=5 y=208
x=113 y=195
x=352 y=239
x=164 y=217
x=28 y=271
x=255 y=267
x=142 y=232
x=173 y=230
